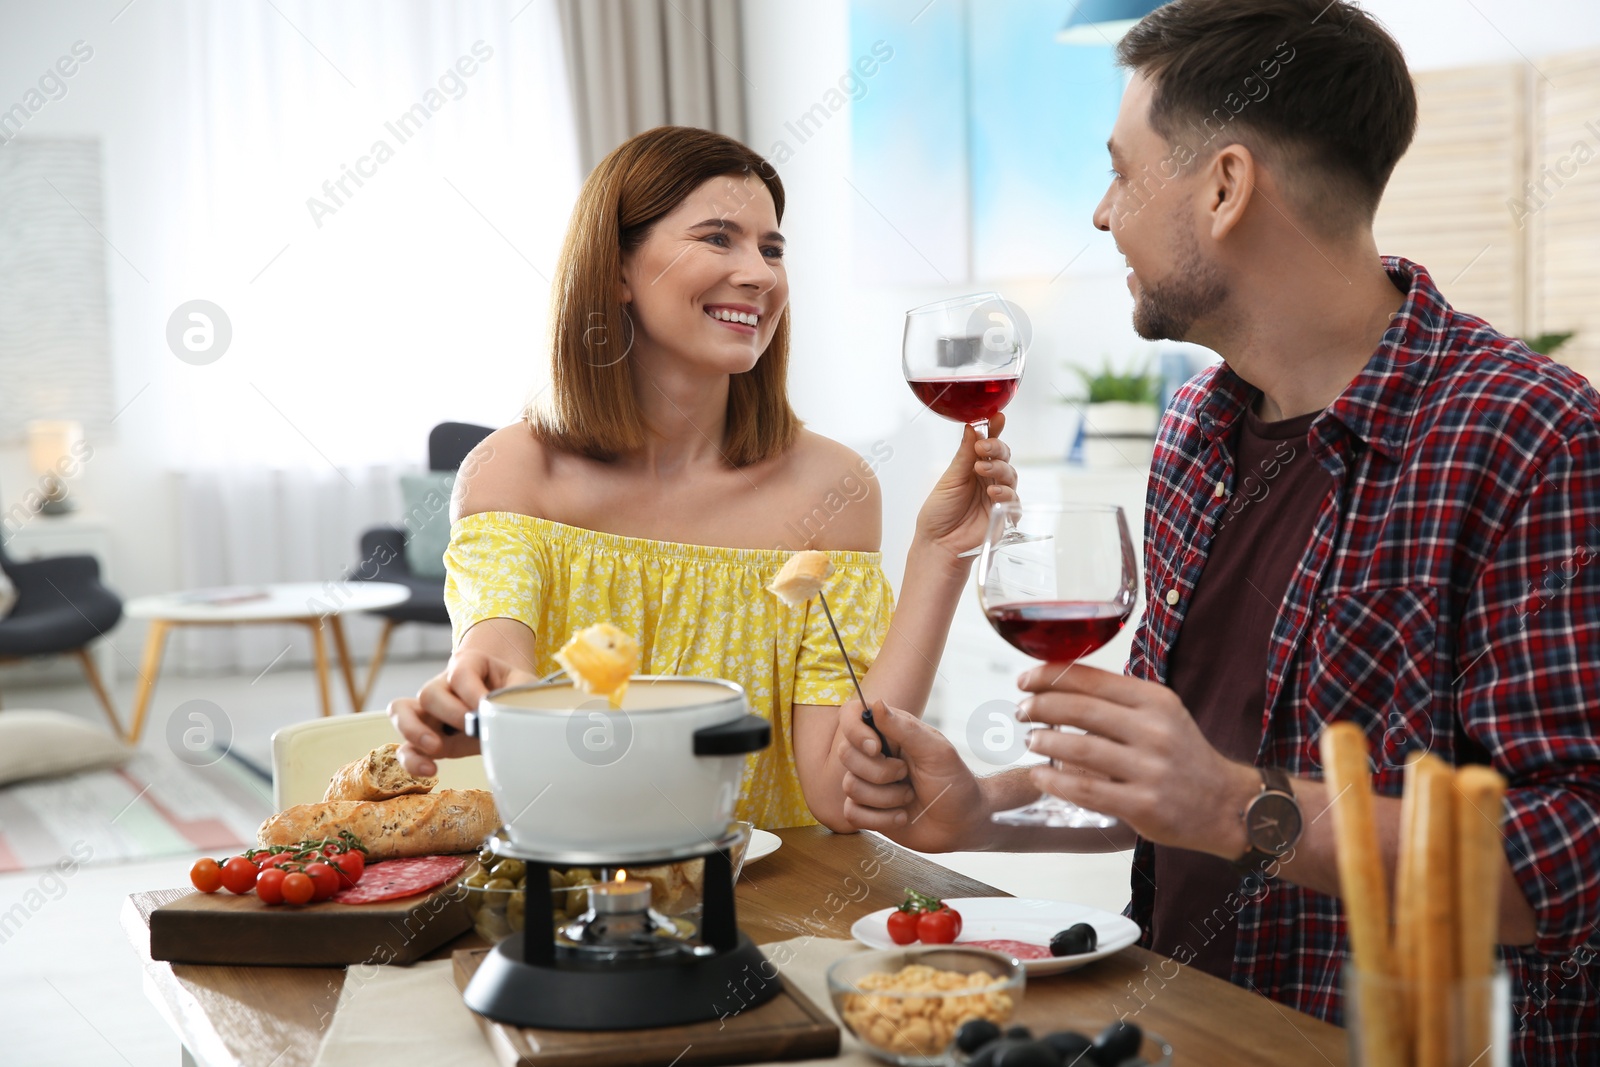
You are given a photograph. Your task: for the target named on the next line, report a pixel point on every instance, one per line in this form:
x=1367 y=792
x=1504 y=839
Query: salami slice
x=1021 y=950
x=393 y=879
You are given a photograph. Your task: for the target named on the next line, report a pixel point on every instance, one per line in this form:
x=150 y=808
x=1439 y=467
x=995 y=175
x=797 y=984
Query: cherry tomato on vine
x=297 y=888
x=206 y=876
x=239 y=875
x=324 y=880
x=903 y=926
x=350 y=865
x=269 y=885
x=939 y=927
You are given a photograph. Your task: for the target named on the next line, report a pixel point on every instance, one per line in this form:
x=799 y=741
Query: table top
x=268 y=601
x=817 y=884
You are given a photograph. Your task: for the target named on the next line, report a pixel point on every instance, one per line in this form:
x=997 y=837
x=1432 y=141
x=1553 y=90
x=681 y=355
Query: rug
x=155 y=805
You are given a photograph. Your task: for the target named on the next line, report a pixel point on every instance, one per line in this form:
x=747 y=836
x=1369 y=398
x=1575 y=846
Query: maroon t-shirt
x=1218 y=665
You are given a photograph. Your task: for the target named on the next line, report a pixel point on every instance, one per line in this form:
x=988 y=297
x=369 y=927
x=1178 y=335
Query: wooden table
x=818 y=884
x=310 y=604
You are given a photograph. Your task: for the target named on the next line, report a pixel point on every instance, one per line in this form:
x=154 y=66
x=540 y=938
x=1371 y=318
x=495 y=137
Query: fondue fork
x=866 y=709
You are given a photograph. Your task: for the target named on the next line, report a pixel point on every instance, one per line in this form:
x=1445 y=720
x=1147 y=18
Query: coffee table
x=314 y=605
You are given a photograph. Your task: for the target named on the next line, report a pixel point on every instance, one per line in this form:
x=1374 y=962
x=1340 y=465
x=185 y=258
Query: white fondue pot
x=570 y=774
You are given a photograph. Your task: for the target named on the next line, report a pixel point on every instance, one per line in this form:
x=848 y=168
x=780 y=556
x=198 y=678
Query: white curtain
x=374 y=194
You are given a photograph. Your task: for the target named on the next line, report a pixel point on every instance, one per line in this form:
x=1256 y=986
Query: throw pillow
x=44 y=744
x=427 y=520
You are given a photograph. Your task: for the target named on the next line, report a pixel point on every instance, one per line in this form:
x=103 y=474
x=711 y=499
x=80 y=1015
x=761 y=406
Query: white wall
x=1455 y=33
x=119 y=97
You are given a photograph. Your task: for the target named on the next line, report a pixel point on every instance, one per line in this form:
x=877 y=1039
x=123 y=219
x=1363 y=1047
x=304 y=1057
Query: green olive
x=557 y=879
x=500 y=883
x=515 y=914
x=510 y=870
x=478 y=878
x=580 y=872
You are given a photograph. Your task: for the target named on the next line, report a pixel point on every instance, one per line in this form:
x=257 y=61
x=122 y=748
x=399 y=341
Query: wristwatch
x=1272 y=822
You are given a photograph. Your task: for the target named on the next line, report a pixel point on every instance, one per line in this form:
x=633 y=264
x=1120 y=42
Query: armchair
x=61 y=606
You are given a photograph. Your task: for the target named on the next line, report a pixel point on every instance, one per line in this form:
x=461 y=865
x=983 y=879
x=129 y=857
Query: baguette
x=453 y=820
x=801 y=577
x=601 y=659
x=378 y=775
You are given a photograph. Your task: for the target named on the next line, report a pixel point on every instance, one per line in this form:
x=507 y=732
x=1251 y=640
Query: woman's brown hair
x=593 y=410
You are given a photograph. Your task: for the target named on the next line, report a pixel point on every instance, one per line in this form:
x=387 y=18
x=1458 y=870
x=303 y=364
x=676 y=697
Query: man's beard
x=1168 y=311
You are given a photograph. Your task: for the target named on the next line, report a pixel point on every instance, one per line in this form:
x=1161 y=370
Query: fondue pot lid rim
x=735 y=693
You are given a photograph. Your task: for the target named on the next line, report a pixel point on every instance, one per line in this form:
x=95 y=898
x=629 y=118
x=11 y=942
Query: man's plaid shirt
x=1449 y=600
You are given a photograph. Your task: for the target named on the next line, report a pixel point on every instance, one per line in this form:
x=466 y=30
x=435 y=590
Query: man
x=1376 y=510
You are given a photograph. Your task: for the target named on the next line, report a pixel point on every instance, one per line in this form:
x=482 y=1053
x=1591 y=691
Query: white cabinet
x=77 y=534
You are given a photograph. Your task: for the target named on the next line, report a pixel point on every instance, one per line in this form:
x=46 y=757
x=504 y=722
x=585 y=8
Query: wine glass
x=963 y=358
x=1059 y=594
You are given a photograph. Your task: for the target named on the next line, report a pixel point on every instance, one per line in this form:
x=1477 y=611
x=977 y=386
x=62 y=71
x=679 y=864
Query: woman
x=652 y=489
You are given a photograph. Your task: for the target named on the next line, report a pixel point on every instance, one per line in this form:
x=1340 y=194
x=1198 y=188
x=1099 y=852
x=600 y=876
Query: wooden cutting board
x=222 y=928
x=788 y=1027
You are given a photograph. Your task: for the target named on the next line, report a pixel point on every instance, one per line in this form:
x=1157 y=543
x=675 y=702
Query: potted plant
x=1120 y=416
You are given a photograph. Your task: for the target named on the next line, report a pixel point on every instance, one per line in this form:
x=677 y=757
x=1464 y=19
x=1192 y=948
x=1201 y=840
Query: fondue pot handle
x=748 y=733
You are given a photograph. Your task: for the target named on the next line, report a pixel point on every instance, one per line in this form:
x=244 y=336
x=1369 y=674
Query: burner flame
x=622 y=876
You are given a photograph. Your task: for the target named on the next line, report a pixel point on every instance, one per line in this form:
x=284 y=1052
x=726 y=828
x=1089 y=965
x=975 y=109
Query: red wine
x=1058 y=631
x=966 y=399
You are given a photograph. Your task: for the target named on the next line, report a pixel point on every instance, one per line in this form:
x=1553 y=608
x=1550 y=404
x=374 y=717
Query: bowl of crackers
x=905 y=1005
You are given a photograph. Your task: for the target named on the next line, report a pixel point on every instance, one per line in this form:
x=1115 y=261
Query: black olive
x=1016 y=1052
x=1070 y=1044
x=974 y=1034
x=1074 y=941
x=1021 y=1032
x=984 y=1057
x=1117 y=1042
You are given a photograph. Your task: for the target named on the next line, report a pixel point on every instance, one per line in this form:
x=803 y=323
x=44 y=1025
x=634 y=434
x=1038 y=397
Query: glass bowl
x=904 y=1005
x=496 y=896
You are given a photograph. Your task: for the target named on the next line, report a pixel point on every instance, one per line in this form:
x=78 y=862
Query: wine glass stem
x=982 y=426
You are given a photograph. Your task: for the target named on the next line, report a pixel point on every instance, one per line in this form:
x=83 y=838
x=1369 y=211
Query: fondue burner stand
x=611 y=970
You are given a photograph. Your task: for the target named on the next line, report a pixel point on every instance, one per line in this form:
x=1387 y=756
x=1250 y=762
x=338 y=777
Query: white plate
x=1018 y=919
x=762 y=845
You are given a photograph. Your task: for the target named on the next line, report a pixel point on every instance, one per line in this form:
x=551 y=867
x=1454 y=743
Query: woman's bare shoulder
x=838 y=492
x=503 y=473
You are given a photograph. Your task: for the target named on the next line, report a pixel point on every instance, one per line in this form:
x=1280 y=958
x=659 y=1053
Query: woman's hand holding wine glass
x=956 y=514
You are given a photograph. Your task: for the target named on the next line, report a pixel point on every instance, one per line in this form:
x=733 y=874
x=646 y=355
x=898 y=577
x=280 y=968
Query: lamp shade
x=51 y=444
x=1103 y=22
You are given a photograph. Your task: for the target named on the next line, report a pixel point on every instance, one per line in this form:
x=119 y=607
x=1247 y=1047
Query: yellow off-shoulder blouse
x=697 y=611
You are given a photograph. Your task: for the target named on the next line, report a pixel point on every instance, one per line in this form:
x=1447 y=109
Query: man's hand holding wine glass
x=1147 y=763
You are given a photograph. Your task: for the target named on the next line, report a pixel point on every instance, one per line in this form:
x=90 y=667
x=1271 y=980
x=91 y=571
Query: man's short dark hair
x=1322 y=81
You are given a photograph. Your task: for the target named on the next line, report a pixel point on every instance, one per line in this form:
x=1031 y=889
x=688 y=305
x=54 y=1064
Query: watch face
x=1273 y=823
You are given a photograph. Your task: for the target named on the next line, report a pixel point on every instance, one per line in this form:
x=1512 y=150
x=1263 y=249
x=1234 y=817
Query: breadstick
x=1364 y=887
x=1436 y=930
x=1408 y=897
x=1480 y=792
